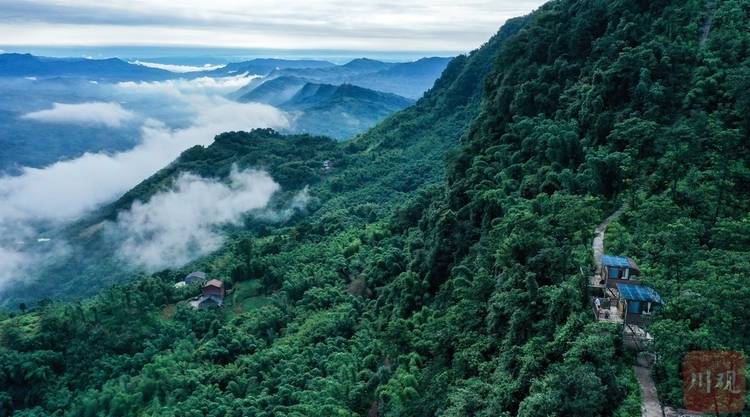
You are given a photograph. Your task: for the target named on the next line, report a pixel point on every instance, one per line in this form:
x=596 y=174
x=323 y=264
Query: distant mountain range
x=115 y=69
x=339 y=111
x=324 y=98
x=264 y=66
x=342 y=100
x=27 y=65
x=408 y=79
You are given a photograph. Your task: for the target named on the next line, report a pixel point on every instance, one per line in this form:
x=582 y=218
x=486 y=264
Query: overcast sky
x=378 y=25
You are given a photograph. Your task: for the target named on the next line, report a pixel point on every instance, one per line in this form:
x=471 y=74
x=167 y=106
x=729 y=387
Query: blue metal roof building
x=635 y=292
x=617 y=261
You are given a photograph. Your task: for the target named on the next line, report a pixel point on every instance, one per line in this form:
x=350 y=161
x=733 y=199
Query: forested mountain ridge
x=338 y=111
x=405 y=295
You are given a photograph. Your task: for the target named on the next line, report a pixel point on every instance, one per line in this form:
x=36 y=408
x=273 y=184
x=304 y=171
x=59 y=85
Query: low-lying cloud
x=182 y=87
x=178 y=225
x=67 y=189
x=94 y=113
x=44 y=198
x=178 y=68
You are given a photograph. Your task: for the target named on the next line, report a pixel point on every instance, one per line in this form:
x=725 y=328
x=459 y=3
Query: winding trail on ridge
x=650 y=405
x=598 y=244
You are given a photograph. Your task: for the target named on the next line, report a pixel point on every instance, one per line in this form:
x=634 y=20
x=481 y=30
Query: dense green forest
x=438 y=271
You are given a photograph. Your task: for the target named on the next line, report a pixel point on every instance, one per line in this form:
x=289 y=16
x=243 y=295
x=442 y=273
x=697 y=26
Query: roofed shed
x=215 y=288
x=639 y=300
x=618 y=269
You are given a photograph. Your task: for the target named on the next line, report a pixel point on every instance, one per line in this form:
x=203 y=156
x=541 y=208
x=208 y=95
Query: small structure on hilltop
x=618 y=269
x=327 y=165
x=638 y=302
x=212 y=295
x=215 y=288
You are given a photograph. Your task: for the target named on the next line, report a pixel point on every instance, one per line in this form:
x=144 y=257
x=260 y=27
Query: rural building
x=619 y=297
x=212 y=295
x=638 y=302
x=618 y=269
x=214 y=287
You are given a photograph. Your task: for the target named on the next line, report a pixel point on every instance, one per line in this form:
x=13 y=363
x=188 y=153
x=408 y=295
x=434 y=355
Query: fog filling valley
x=172 y=227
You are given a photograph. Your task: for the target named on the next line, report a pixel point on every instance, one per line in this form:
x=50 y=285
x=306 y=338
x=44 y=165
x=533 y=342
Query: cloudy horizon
x=381 y=25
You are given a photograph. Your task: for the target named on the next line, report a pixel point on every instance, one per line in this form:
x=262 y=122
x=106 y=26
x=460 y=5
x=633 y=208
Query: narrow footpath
x=650 y=405
x=598 y=245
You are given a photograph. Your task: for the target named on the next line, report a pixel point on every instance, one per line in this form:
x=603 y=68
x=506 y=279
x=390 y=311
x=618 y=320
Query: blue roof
x=637 y=292
x=618 y=261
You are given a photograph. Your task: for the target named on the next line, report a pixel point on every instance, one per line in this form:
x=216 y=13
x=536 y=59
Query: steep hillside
x=407 y=292
x=340 y=111
x=274 y=92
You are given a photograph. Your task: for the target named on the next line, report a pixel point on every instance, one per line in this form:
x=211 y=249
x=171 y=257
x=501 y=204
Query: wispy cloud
x=178 y=225
x=67 y=189
x=94 y=113
x=178 y=68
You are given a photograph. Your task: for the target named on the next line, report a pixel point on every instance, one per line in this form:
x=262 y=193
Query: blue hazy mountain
x=274 y=92
x=368 y=65
x=263 y=66
x=408 y=79
x=27 y=65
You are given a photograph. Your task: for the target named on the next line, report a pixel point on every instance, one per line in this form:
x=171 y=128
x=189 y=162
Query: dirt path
x=598 y=245
x=650 y=405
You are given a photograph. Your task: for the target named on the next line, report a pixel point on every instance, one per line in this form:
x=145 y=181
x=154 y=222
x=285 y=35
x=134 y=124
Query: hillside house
x=618 y=269
x=212 y=295
x=638 y=303
x=214 y=287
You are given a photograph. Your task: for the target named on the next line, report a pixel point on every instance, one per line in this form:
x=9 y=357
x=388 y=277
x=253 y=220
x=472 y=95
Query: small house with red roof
x=212 y=295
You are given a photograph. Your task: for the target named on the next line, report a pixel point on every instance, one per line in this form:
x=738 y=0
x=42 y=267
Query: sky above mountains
x=377 y=25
